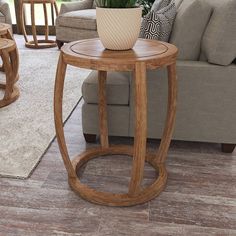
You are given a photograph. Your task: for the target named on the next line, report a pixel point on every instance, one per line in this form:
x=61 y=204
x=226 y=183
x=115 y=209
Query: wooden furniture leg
x=90 y=138
x=22 y=20
x=56 y=8
x=59 y=44
x=102 y=76
x=140 y=128
x=58 y=97
x=46 y=21
x=170 y=118
x=52 y=14
x=227 y=148
x=10 y=59
x=34 y=32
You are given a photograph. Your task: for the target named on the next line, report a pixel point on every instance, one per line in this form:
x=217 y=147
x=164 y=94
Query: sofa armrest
x=5 y=10
x=74 y=6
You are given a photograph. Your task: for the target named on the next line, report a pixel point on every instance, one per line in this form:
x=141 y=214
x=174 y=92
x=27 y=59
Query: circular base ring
x=14 y=96
x=113 y=199
x=41 y=44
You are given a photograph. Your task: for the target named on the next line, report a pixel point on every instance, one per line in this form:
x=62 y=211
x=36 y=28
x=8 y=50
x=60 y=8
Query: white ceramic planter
x=118 y=28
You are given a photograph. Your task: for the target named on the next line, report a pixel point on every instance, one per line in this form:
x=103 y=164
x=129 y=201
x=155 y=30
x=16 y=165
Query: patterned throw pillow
x=157 y=24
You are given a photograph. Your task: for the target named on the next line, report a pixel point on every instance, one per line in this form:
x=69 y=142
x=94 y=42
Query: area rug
x=27 y=126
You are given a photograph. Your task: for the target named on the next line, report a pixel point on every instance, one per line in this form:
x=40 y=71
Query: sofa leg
x=59 y=44
x=227 y=148
x=90 y=138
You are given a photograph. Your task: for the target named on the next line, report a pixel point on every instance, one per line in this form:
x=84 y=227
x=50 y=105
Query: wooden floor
x=200 y=197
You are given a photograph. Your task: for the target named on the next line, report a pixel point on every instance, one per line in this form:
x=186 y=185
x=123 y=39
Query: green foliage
x=145 y=4
x=116 y=3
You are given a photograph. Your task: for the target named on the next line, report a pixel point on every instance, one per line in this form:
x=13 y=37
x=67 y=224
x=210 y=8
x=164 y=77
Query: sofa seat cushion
x=83 y=19
x=189 y=26
x=219 y=41
x=117 y=88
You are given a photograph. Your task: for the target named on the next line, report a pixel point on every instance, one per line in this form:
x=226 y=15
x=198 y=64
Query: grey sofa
x=5 y=15
x=205 y=33
x=76 y=20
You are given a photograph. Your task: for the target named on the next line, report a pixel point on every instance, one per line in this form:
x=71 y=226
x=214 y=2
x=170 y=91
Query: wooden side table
x=10 y=58
x=35 y=43
x=147 y=54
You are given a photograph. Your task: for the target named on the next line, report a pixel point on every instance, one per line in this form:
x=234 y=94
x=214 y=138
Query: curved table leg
x=102 y=76
x=46 y=21
x=34 y=32
x=58 y=97
x=14 y=58
x=56 y=8
x=11 y=65
x=170 y=118
x=8 y=35
x=54 y=5
x=52 y=13
x=9 y=79
x=140 y=128
x=22 y=21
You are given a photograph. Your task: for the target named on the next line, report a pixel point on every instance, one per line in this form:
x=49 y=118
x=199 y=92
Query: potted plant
x=118 y=23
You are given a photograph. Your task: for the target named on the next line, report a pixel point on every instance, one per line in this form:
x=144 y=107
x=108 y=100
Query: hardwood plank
x=32 y=221
x=134 y=228
x=117 y=166
x=192 y=209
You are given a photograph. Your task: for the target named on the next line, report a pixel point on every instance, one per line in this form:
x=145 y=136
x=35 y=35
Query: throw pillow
x=157 y=24
x=219 y=40
x=178 y=3
x=190 y=23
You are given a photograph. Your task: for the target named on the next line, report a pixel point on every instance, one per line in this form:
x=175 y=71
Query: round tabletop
x=91 y=54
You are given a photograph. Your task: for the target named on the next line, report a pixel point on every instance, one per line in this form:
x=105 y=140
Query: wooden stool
x=10 y=58
x=35 y=43
x=147 y=54
x=5 y=32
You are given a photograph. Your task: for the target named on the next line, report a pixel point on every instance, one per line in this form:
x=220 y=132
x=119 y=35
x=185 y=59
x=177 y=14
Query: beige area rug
x=27 y=126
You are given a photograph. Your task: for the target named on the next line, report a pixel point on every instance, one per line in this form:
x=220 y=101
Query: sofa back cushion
x=94 y=4
x=190 y=23
x=178 y=3
x=219 y=41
